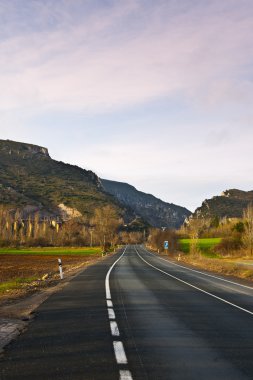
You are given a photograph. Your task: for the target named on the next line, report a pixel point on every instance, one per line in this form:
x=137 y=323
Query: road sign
x=166 y=244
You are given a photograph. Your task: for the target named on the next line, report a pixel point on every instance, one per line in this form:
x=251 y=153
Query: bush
x=39 y=242
x=239 y=227
x=9 y=243
x=228 y=245
x=157 y=238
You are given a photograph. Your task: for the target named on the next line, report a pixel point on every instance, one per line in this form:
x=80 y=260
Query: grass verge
x=204 y=245
x=16 y=283
x=222 y=266
x=51 y=251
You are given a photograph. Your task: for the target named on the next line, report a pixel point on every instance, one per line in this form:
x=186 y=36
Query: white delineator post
x=60 y=269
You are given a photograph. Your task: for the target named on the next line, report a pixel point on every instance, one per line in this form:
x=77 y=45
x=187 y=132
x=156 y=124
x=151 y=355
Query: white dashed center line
x=114 y=328
x=111 y=313
x=125 y=375
x=119 y=352
x=118 y=346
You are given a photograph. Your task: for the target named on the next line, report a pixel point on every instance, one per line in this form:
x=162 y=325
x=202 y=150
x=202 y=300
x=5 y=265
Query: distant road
x=137 y=316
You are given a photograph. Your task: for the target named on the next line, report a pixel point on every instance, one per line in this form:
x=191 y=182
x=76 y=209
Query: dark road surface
x=143 y=318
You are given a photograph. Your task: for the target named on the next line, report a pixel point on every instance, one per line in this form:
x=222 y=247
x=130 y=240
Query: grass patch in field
x=15 y=283
x=51 y=251
x=204 y=245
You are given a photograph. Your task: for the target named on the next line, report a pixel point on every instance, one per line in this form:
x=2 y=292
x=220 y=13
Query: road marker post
x=60 y=268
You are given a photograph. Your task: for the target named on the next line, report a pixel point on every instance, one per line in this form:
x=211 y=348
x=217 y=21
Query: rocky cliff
x=153 y=210
x=30 y=180
x=230 y=203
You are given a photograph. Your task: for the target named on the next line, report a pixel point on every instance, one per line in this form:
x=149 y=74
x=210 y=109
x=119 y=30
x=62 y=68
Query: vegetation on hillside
x=230 y=204
x=233 y=236
x=28 y=176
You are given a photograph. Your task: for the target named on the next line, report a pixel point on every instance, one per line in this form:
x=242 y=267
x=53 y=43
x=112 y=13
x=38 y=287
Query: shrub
x=239 y=227
x=228 y=245
x=9 y=243
x=39 y=242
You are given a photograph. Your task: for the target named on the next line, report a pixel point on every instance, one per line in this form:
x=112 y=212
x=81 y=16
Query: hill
x=32 y=181
x=153 y=210
x=230 y=204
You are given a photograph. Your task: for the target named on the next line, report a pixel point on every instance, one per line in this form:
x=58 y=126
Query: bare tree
x=157 y=238
x=106 y=222
x=248 y=233
x=194 y=228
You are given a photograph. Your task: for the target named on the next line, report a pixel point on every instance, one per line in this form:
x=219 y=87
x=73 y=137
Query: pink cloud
x=101 y=64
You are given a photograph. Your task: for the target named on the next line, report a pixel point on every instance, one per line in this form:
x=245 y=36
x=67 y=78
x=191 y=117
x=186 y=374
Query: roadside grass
x=15 y=283
x=51 y=251
x=210 y=261
x=204 y=245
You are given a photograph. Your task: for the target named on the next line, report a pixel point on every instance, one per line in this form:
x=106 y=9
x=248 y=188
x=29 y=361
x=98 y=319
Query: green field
x=15 y=284
x=50 y=251
x=204 y=245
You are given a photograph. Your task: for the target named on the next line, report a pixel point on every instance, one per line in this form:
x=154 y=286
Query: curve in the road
x=195 y=287
x=202 y=273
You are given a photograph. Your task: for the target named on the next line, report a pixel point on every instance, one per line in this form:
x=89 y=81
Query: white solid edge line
x=114 y=328
x=107 y=285
x=119 y=352
x=195 y=287
x=111 y=313
x=197 y=271
x=125 y=375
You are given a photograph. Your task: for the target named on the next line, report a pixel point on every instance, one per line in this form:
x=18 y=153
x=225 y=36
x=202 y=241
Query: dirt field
x=22 y=274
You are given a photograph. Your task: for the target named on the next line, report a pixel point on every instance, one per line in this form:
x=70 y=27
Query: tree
x=106 y=222
x=215 y=222
x=157 y=238
x=239 y=227
x=248 y=226
x=194 y=228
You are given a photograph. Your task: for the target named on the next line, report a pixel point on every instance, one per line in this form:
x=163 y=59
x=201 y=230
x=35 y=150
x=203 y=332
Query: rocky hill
x=153 y=210
x=30 y=180
x=230 y=203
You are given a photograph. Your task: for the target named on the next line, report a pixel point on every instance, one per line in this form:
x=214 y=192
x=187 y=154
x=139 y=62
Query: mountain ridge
x=29 y=177
x=230 y=204
x=32 y=181
x=152 y=209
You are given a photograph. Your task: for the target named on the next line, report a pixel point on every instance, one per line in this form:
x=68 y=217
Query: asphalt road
x=143 y=318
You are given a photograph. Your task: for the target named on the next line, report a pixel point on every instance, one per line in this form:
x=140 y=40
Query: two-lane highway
x=138 y=316
x=181 y=324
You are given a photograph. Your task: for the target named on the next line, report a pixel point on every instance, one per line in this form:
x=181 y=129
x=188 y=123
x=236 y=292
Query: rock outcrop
x=153 y=210
x=229 y=204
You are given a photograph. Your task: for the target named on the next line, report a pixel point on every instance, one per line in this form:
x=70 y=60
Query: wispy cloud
x=155 y=93
x=107 y=59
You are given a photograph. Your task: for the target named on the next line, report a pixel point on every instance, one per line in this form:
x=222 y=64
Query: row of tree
x=103 y=229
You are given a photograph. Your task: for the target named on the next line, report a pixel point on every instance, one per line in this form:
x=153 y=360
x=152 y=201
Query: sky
x=156 y=93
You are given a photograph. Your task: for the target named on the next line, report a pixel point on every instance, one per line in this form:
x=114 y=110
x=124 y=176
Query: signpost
x=166 y=245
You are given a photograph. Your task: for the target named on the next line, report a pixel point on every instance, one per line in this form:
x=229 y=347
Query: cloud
x=126 y=54
x=158 y=94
